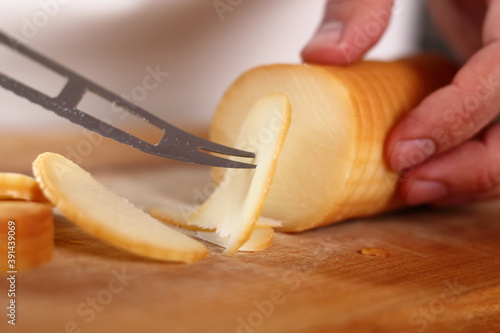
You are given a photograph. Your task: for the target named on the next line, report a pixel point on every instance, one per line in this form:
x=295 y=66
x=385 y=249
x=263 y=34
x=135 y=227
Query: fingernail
x=422 y=191
x=409 y=153
x=328 y=35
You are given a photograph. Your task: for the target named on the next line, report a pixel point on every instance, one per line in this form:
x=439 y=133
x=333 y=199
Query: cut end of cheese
x=106 y=215
x=320 y=103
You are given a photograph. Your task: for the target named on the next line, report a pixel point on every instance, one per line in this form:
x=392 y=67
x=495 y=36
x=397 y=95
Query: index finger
x=451 y=115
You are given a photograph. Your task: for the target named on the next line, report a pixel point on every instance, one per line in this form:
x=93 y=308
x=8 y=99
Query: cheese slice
x=105 y=215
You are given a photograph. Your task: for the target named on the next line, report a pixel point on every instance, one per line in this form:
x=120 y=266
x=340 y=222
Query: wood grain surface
x=442 y=275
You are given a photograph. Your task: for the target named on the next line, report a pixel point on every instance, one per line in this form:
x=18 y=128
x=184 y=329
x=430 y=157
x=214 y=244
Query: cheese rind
x=20 y=187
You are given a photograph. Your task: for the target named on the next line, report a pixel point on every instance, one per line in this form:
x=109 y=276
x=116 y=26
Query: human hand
x=449 y=142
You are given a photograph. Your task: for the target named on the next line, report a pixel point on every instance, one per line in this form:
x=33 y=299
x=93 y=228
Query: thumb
x=349 y=29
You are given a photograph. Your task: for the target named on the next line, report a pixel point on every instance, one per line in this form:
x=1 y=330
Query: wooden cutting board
x=442 y=275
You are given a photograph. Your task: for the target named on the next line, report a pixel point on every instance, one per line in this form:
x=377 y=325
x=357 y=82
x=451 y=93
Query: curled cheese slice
x=18 y=186
x=106 y=215
x=26 y=235
x=235 y=206
x=176 y=214
x=231 y=214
